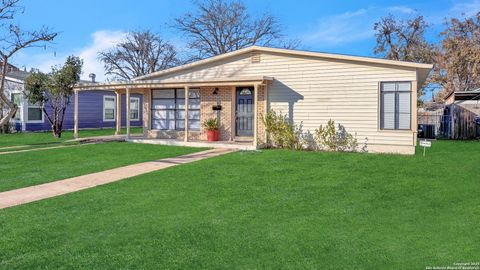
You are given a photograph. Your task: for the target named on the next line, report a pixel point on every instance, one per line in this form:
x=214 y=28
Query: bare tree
x=139 y=54
x=403 y=40
x=222 y=26
x=12 y=40
x=457 y=61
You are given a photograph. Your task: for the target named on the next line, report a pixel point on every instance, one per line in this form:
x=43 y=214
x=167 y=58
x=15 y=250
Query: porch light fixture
x=215 y=92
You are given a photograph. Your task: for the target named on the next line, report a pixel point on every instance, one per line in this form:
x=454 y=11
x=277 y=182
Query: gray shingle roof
x=22 y=75
x=18 y=74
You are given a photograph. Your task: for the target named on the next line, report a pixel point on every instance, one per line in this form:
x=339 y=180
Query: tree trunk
x=5 y=100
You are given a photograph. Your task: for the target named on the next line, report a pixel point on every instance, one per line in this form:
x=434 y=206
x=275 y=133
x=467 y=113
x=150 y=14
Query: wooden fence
x=453 y=122
x=464 y=126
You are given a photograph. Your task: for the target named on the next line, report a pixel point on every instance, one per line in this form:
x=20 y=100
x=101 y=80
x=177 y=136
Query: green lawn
x=42 y=138
x=37 y=167
x=270 y=209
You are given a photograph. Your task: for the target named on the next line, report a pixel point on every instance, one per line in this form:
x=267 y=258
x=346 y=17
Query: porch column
x=75 y=115
x=186 y=113
x=266 y=108
x=255 y=115
x=118 y=130
x=127 y=108
x=146 y=111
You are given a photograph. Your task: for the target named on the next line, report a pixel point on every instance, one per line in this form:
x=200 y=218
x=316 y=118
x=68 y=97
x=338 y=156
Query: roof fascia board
x=288 y=52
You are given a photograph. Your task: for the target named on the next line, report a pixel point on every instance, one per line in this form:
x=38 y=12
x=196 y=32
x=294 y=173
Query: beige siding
x=313 y=90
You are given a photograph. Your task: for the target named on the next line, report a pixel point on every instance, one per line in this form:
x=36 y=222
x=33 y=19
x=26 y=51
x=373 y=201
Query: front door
x=244 y=112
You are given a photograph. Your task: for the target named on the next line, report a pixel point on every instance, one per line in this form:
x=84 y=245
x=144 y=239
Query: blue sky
x=89 y=26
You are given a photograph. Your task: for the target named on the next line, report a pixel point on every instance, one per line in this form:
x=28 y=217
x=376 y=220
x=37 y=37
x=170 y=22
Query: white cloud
x=467 y=9
x=350 y=27
x=100 y=41
x=344 y=28
x=401 y=9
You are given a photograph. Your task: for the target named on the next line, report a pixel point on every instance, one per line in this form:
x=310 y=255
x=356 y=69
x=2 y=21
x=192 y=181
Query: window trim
x=175 y=109
x=105 y=97
x=138 y=108
x=380 y=107
x=41 y=113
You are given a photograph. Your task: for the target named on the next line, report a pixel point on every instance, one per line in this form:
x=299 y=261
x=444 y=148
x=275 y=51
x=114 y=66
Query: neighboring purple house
x=97 y=108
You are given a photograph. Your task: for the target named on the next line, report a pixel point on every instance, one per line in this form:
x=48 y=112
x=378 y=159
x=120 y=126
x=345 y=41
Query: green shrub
x=281 y=133
x=329 y=138
x=210 y=124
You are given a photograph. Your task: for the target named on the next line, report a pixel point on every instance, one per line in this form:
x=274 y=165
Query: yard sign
x=425 y=144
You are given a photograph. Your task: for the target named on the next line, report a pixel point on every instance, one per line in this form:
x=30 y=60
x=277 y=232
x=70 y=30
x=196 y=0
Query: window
x=245 y=92
x=34 y=112
x=396 y=100
x=168 y=109
x=134 y=108
x=109 y=108
x=17 y=99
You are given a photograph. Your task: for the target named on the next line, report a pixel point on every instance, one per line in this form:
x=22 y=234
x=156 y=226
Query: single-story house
x=97 y=109
x=374 y=99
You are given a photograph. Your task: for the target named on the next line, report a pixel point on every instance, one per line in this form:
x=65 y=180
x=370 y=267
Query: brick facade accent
x=261 y=111
x=226 y=97
x=146 y=112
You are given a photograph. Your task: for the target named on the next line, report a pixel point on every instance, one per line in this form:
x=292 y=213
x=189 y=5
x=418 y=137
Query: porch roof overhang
x=149 y=84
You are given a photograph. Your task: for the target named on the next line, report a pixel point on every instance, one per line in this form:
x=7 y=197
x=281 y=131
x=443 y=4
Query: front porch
x=173 y=111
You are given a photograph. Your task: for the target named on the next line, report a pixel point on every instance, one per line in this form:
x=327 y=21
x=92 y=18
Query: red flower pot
x=212 y=135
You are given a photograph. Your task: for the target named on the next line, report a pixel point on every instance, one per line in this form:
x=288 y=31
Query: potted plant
x=211 y=125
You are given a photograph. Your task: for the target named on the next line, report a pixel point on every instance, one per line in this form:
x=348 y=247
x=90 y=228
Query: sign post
x=425 y=144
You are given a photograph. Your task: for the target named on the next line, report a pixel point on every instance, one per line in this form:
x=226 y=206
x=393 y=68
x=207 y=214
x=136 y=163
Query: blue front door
x=244 y=112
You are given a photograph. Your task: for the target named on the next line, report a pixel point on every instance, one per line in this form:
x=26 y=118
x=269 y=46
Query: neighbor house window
x=109 y=108
x=17 y=99
x=168 y=109
x=35 y=112
x=134 y=108
x=396 y=105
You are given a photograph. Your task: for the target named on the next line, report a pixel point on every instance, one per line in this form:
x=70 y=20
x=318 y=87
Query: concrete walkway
x=41 y=148
x=48 y=190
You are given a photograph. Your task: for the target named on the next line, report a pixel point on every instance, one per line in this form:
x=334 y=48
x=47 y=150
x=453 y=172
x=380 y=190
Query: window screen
x=35 y=112
x=396 y=100
x=109 y=108
x=134 y=108
x=168 y=109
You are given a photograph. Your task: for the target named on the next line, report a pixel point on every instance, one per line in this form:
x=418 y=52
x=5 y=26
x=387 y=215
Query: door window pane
x=194 y=124
x=163 y=124
x=167 y=93
x=163 y=104
x=163 y=114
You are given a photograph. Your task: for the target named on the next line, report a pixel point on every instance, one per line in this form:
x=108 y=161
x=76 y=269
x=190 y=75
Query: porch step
x=243 y=139
x=219 y=144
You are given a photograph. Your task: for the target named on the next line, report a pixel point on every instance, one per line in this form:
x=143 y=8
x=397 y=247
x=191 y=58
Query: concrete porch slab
x=220 y=144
